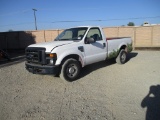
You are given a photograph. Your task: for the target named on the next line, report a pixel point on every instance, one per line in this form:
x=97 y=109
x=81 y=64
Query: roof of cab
x=85 y=26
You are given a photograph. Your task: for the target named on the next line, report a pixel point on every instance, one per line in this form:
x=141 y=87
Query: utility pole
x=35 y=18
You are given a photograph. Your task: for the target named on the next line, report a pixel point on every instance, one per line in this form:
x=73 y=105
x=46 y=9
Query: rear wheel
x=70 y=70
x=122 y=57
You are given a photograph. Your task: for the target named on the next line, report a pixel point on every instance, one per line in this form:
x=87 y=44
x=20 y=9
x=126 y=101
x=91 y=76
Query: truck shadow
x=152 y=102
x=95 y=66
x=131 y=55
x=90 y=68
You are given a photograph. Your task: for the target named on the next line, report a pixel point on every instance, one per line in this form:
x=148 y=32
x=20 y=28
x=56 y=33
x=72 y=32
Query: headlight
x=52 y=57
x=51 y=61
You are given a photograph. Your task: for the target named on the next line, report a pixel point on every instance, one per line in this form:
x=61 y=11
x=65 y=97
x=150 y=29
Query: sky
x=17 y=15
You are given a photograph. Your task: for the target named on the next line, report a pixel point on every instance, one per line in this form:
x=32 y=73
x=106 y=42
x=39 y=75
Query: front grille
x=36 y=55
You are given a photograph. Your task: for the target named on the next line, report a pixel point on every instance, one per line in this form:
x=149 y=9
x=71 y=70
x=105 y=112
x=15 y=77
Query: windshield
x=72 y=34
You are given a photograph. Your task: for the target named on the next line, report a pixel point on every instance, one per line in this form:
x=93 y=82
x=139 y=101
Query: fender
x=67 y=53
x=122 y=44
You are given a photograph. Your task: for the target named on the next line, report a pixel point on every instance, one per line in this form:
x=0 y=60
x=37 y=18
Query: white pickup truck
x=73 y=49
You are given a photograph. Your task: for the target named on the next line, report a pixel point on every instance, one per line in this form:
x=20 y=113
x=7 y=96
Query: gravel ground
x=105 y=91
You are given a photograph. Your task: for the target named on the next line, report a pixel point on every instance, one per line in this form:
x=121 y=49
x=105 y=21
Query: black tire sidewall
x=120 y=57
x=68 y=62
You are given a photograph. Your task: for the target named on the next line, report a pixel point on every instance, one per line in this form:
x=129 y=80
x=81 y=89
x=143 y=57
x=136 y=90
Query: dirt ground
x=104 y=91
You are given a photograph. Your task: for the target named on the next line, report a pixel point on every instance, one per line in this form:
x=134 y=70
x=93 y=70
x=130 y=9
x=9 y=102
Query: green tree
x=10 y=30
x=131 y=24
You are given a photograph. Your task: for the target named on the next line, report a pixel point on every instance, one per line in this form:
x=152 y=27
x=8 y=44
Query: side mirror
x=89 y=40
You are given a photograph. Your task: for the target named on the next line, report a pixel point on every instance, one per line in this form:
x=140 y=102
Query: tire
x=122 y=57
x=70 y=70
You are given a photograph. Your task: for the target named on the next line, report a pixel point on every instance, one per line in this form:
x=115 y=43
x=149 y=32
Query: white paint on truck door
x=95 y=51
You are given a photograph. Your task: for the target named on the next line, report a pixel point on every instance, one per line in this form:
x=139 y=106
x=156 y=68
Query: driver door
x=94 y=51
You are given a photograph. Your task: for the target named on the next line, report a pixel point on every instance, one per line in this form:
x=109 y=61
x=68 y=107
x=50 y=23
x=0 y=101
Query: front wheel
x=122 y=57
x=70 y=70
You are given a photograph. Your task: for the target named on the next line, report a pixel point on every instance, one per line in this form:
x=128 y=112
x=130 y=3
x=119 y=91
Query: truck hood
x=51 y=45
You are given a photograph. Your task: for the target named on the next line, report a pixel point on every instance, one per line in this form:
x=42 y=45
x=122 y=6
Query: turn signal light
x=52 y=55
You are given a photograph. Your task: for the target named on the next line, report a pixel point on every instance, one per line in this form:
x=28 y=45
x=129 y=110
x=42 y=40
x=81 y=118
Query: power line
x=27 y=10
x=117 y=19
x=133 y=18
x=107 y=19
x=17 y=24
x=14 y=13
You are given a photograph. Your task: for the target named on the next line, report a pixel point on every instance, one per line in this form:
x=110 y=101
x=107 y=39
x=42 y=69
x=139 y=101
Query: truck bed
x=113 y=38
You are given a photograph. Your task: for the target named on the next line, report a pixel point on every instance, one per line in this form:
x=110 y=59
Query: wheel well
x=71 y=56
x=123 y=47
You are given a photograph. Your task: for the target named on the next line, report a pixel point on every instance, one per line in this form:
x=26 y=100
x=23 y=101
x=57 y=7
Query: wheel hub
x=123 y=57
x=71 y=70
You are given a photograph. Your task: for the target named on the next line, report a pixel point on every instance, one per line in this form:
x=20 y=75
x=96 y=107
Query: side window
x=95 y=34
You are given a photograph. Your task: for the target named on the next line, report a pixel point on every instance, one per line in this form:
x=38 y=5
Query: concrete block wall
x=148 y=36
x=143 y=36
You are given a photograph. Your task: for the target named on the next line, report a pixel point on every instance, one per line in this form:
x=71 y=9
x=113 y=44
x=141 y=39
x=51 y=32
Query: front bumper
x=39 y=69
